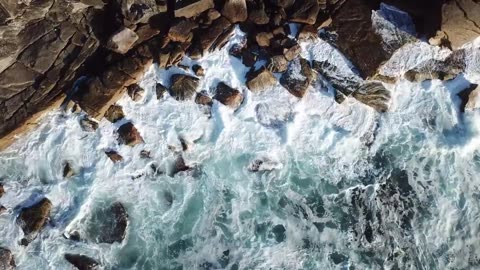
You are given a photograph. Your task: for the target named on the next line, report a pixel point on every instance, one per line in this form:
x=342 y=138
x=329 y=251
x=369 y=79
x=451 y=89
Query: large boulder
x=81 y=262
x=213 y=37
x=108 y=224
x=446 y=69
x=373 y=94
x=191 y=8
x=228 y=96
x=183 y=87
x=235 y=10
x=260 y=80
x=7 y=262
x=129 y=135
x=344 y=83
x=181 y=30
x=305 y=11
x=297 y=78
x=460 y=21
x=33 y=218
x=114 y=113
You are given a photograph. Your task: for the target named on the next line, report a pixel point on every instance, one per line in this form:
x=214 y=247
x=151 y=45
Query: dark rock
x=256 y=12
x=88 y=125
x=110 y=223
x=305 y=11
x=337 y=258
x=235 y=10
x=279 y=233
x=129 y=135
x=373 y=94
x=160 y=90
x=346 y=84
x=114 y=156
x=114 y=113
x=466 y=96
x=82 y=262
x=212 y=37
x=7 y=262
x=68 y=170
x=2 y=190
x=181 y=30
x=135 y=92
x=33 y=218
x=198 y=70
x=203 y=99
x=228 y=96
x=260 y=80
x=179 y=166
x=277 y=63
x=145 y=154
x=191 y=8
x=297 y=78
x=183 y=86
x=123 y=40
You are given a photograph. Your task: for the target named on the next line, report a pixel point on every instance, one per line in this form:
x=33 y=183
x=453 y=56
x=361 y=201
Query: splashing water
x=409 y=200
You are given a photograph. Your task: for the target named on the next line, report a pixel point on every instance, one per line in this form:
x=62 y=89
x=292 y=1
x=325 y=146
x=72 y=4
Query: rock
x=145 y=154
x=206 y=18
x=468 y=97
x=2 y=190
x=373 y=94
x=447 y=69
x=179 y=166
x=68 y=170
x=228 y=96
x=183 y=86
x=88 y=125
x=7 y=262
x=122 y=41
x=135 y=92
x=181 y=30
x=345 y=83
x=129 y=135
x=305 y=11
x=198 y=70
x=263 y=164
x=263 y=39
x=191 y=8
x=460 y=21
x=110 y=224
x=279 y=233
x=260 y=80
x=33 y=218
x=297 y=78
x=81 y=262
x=256 y=12
x=214 y=36
x=235 y=10
x=248 y=58
x=114 y=113
x=160 y=91
x=277 y=63
x=2 y=209
x=114 y=156
x=203 y=99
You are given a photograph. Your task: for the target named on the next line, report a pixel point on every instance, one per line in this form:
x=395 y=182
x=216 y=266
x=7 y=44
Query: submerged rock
x=109 y=225
x=198 y=70
x=88 y=124
x=160 y=91
x=129 y=135
x=183 y=86
x=297 y=78
x=68 y=170
x=260 y=80
x=114 y=113
x=374 y=95
x=33 y=218
x=114 y=156
x=2 y=209
x=345 y=84
x=264 y=164
x=228 y=96
x=7 y=262
x=82 y=262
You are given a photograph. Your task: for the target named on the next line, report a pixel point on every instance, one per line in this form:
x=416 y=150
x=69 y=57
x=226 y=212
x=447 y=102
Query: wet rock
x=33 y=218
x=228 y=96
x=3 y=209
x=256 y=12
x=183 y=86
x=203 y=99
x=122 y=41
x=213 y=37
x=263 y=164
x=468 y=96
x=297 y=78
x=114 y=156
x=260 y=80
x=68 y=170
x=198 y=70
x=283 y=3
x=279 y=233
x=111 y=223
x=179 y=166
x=181 y=30
x=337 y=258
x=446 y=69
x=235 y=10
x=145 y=154
x=7 y=262
x=2 y=190
x=81 y=262
x=345 y=83
x=88 y=125
x=263 y=39
x=191 y=8
x=473 y=100
x=460 y=21
x=160 y=91
x=135 y=92
x=129 y=135
x=305 y=11
x=277 y=63
x=114 y=113
x=373 y=94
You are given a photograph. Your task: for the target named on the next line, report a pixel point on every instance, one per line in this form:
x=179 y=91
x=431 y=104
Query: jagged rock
x=214 y=36
x=183 y=87
x=235 y=10
x=203 y=99
x=263 y=39
x=260 y=80
x=114 y=113
x=297 y=78
x=7 y=262
x=468 y=97
x=88 y=124
x=286 y=46
x=191 y=8
x=122 y=41
x=160 y=90
x=110 y=224
x=199 y=71
x=346 y=84
x=2 y=190
x=460 y=21
x=228 y=96
x=305 y=11
x=114 y=156
x=33 y=218
x=373 y=94
x=277 y=63
x=206 y=18
x=135 y=92
x=68 y=170
x=81 y=262
x=181 y=30
x=256 y=12
x=179 y=166
x=129 y=135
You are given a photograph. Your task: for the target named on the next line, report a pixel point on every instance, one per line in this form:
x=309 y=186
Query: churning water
x=344 y=187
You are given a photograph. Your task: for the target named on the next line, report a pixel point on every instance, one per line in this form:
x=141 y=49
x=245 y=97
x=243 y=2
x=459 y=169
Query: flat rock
x=129 y=135
x=228 y=96
x=183 y=87
x=297 y=78
x=114 y=113
x=122 y=41
x=460 y=21
x=373 y=94
x=191 y=8
x=235 y=10
x=81 y=262
x=33 y=218
x=7 y=262
x=260 y=80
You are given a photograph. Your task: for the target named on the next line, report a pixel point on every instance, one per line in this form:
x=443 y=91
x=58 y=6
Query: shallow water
x=350 y=188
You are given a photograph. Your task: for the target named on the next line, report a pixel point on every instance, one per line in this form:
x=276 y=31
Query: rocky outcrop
x=129 y=135
x=260 y=80
x=135 y=92
x=228 y=96
x=468 y=98
x=297 y=78
x=122 y=41
x=33 y=218
x=183 y=87
x=460 y=21
x=81 y=262
x=373 y=94
x=7 y=262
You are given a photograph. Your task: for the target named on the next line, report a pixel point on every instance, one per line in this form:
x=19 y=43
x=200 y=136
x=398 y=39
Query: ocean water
x=343 y=187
